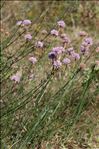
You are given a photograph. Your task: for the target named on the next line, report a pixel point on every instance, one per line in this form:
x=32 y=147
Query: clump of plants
x=49 y=83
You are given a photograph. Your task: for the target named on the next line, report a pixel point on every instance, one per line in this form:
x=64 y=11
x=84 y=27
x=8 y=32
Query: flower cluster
x=64 y=53
x=25 y=23
x=56 y=53
x=54 y=56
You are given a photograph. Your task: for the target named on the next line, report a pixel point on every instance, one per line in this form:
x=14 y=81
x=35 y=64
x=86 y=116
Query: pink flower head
x=58 y=50
x=39 y=44
x=57 y=64
x=70 y=50
x=54 y=32
x=82 y=66
x=33 y=60
x=82 y=33
x=83 y=49
x=61 y=23
x=26 y=22
x=28 y=37
x=66 y=61
x=19 y=23
x=89 y=41
x=16 y=77
x=76 y=56
x=85 y=44
x=52 y=55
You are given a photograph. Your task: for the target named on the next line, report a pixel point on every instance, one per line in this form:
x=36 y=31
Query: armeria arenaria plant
x=49 y=82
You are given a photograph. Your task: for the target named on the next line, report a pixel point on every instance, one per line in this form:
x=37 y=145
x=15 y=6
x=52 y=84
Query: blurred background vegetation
x=78 y=13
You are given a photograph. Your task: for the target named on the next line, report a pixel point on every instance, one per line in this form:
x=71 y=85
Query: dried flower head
x=82 y=65
x=33 y=60
x=31 y=77
x=44 y=32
